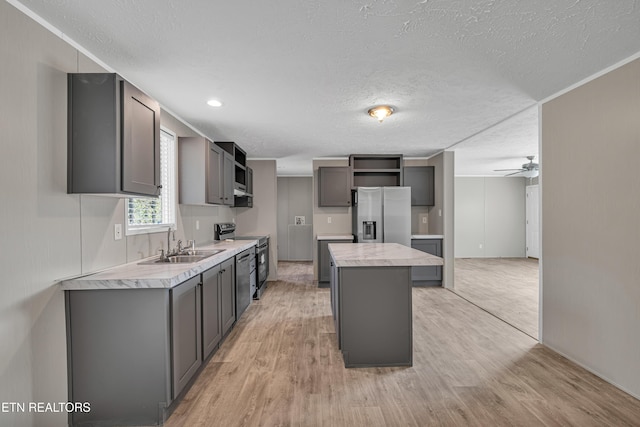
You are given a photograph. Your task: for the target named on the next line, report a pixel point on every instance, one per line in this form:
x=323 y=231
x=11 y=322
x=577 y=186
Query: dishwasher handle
x=244 y=258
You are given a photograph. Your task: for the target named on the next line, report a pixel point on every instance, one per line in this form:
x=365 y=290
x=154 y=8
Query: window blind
x=146 y=212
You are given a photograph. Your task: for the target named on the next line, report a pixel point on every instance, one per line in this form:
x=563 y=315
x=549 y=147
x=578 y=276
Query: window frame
x=173 y=176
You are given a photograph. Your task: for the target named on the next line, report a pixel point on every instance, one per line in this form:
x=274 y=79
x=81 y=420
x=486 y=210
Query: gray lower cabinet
x=334 y=186
x=427 y=275
x=186 y=338
x=421 y=181
x=131 y=352
x=333 y=285
x=324 y=261
x=372 y=315
x=119 y=353
x=214 y=281
x=211 y=317
x=227 y=295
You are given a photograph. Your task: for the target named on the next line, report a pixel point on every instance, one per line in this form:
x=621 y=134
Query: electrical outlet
x=424 y=219
x=328 y=220
x=439 y=212
x=117 y=231
x=480 y=245
x=197 y=224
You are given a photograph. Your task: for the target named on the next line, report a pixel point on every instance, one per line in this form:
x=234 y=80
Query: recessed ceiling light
x=214 y=103
x=381 y=112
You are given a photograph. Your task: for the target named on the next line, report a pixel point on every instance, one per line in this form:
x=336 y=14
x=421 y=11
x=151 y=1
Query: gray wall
x=295 y=198
x=48 y=234
x=490 y=217
x=262 y=218
x=441 y=215
x=418 y=212
x=590 y=232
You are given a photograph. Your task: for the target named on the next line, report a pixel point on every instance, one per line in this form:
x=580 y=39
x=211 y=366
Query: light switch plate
x=117 y=231
x=197 y=224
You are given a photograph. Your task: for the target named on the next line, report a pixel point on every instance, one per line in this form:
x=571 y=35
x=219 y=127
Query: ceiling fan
x=528 y=170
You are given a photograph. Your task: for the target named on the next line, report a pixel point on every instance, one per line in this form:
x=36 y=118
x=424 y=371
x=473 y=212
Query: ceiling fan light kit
x=528 y=170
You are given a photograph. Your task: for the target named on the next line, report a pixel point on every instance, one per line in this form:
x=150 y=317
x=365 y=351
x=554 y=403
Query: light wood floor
x=281 y=367
x=505 y=287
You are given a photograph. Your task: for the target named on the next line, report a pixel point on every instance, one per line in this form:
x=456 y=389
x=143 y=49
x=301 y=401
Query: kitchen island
x=371 y=301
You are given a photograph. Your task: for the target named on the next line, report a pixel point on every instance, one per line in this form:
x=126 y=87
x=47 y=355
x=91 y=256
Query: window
x=146 y=215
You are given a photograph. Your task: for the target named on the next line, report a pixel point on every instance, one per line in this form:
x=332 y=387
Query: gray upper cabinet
x=249 y=181
x=214 y=175
x=334 y=186
x=246 y=200
x=228 y=171
x=421 y=181
x=113 y=137
x=376 y=170
x=239 y=158
x=206 y=172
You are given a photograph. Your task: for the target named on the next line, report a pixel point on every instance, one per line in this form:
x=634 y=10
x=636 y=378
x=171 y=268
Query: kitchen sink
x=193 y=256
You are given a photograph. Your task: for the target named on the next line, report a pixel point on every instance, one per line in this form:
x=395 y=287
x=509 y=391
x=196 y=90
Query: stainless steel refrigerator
x=382 y=214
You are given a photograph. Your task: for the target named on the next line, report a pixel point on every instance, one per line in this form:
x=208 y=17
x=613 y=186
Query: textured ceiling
x=296 y=77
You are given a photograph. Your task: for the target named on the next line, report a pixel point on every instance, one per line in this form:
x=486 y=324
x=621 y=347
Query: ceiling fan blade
x=506 y=170
x=515 y=173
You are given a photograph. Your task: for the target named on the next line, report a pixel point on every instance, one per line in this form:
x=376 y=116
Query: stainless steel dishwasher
x=245 y=279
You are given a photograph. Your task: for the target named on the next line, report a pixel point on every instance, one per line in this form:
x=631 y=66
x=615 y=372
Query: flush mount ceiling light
x=214 y=103
x=381 y=112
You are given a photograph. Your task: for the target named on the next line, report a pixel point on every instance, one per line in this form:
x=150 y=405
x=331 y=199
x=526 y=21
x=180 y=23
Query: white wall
x=590 y=225
x=490 y=217
x=46 y=233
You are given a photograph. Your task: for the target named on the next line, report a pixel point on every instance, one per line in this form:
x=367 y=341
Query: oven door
x=262 y=255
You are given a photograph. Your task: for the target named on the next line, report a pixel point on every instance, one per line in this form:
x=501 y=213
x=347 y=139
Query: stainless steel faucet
x=169 y=239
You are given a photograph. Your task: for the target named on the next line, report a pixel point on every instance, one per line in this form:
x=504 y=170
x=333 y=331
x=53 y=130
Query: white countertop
x=379 y=255
x=136 y=276
x=427 y=236
x=335 y=237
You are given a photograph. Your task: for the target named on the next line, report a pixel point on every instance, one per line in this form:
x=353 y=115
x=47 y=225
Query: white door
x=533 y=221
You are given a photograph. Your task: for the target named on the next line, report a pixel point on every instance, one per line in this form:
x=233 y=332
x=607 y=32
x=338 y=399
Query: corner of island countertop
x=335 y=236
x=380 y=255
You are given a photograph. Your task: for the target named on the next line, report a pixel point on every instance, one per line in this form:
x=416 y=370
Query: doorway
x=295 y=218
x=532 y=203
x=496 y=248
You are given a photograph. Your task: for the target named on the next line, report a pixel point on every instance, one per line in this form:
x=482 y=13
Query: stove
x=224 y=231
